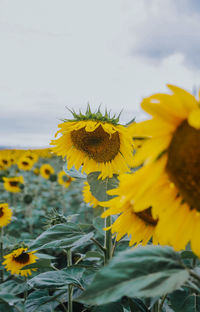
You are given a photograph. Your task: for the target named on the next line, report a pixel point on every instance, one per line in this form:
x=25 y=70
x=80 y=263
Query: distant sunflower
x=13 y=184
x=46 y=170
x=88 y=197
x=5 y=162
x=170 y=177
x=5 y=214
x=19 y=258
x=33 y=156
x=25 y=163
x=95 y=142
x=139 y=226
x=64 y=179
x=36 y=171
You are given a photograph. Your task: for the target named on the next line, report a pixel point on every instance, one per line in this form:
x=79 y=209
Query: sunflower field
x=107 y=219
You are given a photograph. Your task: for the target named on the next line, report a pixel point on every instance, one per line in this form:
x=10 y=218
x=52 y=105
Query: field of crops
x=107 y=219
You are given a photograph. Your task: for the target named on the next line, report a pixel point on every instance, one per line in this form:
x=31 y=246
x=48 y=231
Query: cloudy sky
x=58 y=53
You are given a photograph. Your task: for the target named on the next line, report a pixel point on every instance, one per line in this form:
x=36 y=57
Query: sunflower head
x=25 y=163
x=95 y=142
x=171 y=171
x=17 y=259
x=5 y=162
x=13 y=184
x=46 y=170
x=64 y=179
x=5 y=214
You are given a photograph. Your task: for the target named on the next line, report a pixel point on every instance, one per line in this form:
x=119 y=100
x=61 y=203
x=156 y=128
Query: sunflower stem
x=108 y=240
x=1 y=253
x=26 y=289
x=70 y=287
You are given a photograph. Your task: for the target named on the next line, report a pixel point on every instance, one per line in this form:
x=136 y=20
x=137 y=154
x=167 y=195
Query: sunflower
x=13 y=184
x=46 y=170
x=36 y=171
x=25 y=163
x=139 y=226
x=31 y=155
x=170 y=177
x=64 y=179
x=5 y=162
x=5 y=214
x=95 y=142
x=88 y=197
x=19 y=258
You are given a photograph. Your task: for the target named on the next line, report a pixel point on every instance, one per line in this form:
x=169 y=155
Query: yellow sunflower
x=95 y=142
x=5 y=162
x=46 y=170
x=31 y=155
x=169 y=180
x=64 y=179
x=36 y=171
x=88 y=197
x=25 y=163
x=13 y=184
x=17 y=259
x=139 y=226
x=5 y=214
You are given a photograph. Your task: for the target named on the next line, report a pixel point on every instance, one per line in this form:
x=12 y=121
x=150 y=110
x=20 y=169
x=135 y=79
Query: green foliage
x=143 y=272
x=135 y=280
x=77 y=174
x=66 y=236
x=185 y=301
x=54 y=279
x=96 y=116
x=99 y=187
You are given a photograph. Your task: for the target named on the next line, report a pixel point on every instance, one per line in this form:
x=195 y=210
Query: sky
x=61 y=53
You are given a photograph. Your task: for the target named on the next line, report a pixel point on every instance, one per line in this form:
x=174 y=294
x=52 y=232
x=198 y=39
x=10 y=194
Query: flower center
x=98 y=145
x=183 y=164
x=1 y=212
x=146 y=216
x=4 y=161
x=13 y=183
x=25 y=163
x=66 y=179
x=23 y=258
x=47 y=171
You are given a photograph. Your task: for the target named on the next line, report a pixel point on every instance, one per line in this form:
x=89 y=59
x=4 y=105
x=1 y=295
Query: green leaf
x=39 y=264
x=111 y=307
x=141 y=272
x=99 y=187
x=183 y=301
x=61 y=236
x=39 y=300
x=12 y=287
x=54 y=279
x=94 y=255
x=136 y=305
x=10 y=299
x=77 y=174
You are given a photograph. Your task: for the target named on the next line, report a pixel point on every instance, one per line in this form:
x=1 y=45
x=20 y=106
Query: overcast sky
x=58 y=53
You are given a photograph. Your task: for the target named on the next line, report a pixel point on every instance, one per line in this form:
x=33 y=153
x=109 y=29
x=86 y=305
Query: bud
x=28 y=199
x=53 y=178
x=21 y=186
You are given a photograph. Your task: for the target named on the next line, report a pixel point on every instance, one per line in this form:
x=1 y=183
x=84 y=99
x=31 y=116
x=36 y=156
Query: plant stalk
x=1 y=254
x=108 y=240
x=70 y=287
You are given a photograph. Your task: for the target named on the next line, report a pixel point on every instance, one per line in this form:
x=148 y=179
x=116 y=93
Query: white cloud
x=166 y=28
x=57 y=53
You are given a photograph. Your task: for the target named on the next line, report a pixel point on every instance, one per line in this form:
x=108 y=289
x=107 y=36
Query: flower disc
x=183 y=164
x=99 y=145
